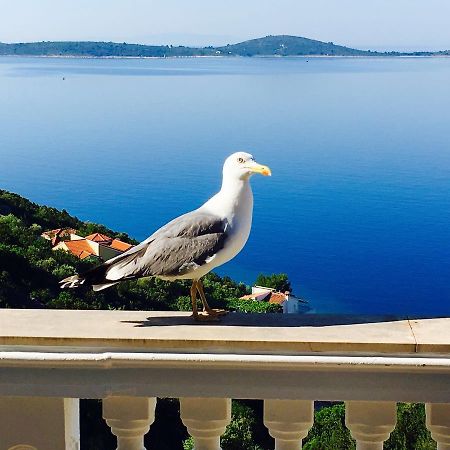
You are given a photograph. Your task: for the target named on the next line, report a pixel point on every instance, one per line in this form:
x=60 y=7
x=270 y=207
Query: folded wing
x=175 y=249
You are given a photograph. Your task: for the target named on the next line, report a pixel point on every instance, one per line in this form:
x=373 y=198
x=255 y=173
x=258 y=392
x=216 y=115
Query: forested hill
x=289 y=46
x=266 y=46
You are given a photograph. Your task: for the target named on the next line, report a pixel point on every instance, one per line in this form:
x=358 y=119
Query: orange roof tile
x=277 y=297
x=98 y=237
x=119 y=245
x=84 y=255
x=247 y=297
x=80 y=248
x=58 y=232
x=57 y=235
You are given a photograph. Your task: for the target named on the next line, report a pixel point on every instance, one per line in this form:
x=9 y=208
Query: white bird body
x=193 y=244
x=233 y=203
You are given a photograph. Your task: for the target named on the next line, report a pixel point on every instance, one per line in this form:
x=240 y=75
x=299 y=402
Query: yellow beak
x=259 y=168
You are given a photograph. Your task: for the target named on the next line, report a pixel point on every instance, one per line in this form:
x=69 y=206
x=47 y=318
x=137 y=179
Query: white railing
x=50 y=359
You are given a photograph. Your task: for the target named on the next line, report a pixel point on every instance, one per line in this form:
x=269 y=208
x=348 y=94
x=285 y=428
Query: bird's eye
x=240 y=160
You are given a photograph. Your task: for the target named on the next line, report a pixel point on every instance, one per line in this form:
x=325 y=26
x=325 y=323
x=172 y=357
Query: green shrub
x=329 y=431
x=188 y=444
x=410 y=432
x=239 y=433
x=252 y=306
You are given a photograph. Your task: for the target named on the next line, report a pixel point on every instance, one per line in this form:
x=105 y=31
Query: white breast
x=236 y=206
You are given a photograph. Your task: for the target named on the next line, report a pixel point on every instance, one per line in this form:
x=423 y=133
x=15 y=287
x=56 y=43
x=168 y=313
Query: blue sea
x=357 y=211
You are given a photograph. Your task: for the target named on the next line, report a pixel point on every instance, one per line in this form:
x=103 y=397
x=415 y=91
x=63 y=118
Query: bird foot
x=205 y=317
x=218 y=312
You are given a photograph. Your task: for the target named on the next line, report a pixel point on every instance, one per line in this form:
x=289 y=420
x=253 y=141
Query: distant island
x=281 y=45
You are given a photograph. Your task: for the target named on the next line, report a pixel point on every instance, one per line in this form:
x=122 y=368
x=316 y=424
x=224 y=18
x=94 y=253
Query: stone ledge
x=168 y=331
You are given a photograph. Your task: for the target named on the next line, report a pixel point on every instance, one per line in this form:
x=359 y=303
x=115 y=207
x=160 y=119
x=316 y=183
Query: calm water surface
x=357 y=211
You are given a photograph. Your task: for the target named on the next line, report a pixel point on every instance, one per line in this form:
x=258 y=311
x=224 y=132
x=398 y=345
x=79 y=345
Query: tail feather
x=72 y=282
x=100 y=287
x=95 y=277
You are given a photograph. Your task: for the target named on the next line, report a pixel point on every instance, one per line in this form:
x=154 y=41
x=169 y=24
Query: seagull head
x=242 y=165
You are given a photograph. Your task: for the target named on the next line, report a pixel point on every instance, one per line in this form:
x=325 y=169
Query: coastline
x=231 y=56
x=270 y=46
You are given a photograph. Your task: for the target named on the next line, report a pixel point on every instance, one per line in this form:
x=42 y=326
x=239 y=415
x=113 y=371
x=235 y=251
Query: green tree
x=278 y=281
x=239 y=433
x=410 y=431
x=329 y=431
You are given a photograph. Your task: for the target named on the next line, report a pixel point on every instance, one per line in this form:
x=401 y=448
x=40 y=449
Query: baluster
x=39 y=423
x=370 y=422
x=130 y=419
x=206 y=420
x=288 y=421
x=438 y=422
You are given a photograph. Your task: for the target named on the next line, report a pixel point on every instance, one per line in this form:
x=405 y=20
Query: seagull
x=191 y=245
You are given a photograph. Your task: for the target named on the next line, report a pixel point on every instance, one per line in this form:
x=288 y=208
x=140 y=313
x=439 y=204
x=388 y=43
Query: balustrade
x=288 y=422
x=130 y=359
x=130 y=419
x=205 y=420
x=370 y=423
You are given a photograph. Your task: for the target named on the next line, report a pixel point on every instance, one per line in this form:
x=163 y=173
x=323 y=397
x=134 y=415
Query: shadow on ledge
x=272 y=320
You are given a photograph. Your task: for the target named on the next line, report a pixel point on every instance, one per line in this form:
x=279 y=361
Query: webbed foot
x=205 y=317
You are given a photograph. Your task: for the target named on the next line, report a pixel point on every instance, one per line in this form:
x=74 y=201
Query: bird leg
x=194 y=299
x=208 y=317
x=208 y=309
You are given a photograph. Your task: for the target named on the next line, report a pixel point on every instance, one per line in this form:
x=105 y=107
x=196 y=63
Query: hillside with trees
x=30 y=270
x=281 y=45
x=290 y=46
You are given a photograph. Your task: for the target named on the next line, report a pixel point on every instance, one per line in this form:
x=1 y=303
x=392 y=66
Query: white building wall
x=260 y=293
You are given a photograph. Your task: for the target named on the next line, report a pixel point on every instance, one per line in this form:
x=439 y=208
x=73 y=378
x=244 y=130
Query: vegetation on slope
x=30 y=270
x=278 y=281
x=289 y=46
x=281 y=45
x=99 y=49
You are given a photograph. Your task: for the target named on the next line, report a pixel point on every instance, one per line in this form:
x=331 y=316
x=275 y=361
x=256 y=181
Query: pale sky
x=366 y=24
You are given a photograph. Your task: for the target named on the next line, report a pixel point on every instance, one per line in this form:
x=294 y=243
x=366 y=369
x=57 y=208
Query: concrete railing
x=51 y=358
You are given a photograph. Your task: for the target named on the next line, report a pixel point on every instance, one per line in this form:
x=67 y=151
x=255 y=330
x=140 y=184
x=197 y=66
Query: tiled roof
x=54 y=235
x=277 y=297
x=59 y=231
x=85 y=254
x=248 y=297
x=80 y=248
x=98 y=237
x=119 y=245
x=261 y=296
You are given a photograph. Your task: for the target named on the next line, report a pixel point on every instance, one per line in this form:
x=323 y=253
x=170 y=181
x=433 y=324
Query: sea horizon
x=228 y=57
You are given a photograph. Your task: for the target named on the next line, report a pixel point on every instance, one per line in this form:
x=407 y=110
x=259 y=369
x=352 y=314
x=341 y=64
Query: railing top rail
x=175 y=332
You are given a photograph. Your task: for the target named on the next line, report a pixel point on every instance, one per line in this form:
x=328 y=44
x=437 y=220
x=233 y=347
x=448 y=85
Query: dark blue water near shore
x=357 y=211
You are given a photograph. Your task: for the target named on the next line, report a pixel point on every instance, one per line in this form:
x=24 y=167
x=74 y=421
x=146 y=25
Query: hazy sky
x=375 y=24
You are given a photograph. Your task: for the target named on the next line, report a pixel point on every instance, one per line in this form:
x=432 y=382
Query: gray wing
x=175 y=249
